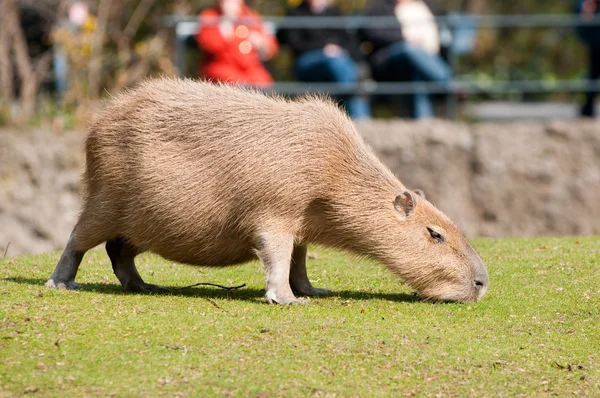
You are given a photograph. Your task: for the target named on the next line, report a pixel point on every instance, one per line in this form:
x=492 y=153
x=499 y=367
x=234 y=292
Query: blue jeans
x=315 y=66
x=61 y=71
x=402 y=61
x=588 y=109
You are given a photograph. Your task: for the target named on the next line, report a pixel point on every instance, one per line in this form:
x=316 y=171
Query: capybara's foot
x=145 y=288
x=272 y=298
x=69 y=285
x=311 y=291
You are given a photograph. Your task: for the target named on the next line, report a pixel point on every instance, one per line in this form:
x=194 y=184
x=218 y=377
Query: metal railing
x=455 y=32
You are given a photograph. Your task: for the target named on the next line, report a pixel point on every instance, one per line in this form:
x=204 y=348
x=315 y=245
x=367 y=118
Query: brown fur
x=216 y=175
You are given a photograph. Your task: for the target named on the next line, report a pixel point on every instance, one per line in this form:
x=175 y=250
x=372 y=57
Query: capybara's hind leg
x=91 y=230
x=122 y=254
x=63 y=276
x=298 y=276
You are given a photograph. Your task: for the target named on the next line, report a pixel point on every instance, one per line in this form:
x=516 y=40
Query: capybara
x=217 y=175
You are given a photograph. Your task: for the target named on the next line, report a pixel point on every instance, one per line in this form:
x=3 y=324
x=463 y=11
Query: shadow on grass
x=245 y=293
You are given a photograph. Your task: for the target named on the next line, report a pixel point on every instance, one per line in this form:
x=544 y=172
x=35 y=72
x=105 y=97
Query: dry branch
x=22 y=61
x=124 y=40
x=95 y=65
x=6 y=70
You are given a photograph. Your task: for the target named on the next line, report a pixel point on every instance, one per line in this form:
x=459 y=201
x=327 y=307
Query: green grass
x=537 y=333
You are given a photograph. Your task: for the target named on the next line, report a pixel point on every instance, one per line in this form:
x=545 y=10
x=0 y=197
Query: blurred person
x=409 y=51
x=325 y=54
x=78 y=23
x=590 y=35
x=235 y=43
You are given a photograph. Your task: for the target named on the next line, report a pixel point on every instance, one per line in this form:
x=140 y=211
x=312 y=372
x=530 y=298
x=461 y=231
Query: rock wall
x=510 y=179
x=39 y=189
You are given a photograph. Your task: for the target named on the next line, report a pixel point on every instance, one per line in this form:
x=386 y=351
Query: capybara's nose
x=480 y=286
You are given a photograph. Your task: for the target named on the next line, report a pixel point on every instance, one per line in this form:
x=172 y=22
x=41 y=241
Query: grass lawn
x=536 y=333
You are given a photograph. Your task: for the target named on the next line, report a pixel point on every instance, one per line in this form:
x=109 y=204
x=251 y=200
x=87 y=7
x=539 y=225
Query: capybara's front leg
x=64 y=274
x=122 y=254
x=298 y=276
x=275 y=251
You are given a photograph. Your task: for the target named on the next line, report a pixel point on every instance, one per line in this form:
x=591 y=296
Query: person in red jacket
x=235 y=43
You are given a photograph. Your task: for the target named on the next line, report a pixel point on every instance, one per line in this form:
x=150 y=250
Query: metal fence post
x=451 y=103
x=179 y=49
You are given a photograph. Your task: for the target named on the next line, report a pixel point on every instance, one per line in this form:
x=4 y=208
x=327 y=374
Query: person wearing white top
x=409 y=51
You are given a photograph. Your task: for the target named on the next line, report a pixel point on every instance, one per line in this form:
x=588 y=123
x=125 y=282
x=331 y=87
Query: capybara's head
x=434 y=257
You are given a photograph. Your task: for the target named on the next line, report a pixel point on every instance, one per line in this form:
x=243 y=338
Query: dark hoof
x=312 y=292
x=145 y=288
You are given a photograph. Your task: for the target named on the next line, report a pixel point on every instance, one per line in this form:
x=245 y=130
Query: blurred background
x=511 y=148
x=83 y=49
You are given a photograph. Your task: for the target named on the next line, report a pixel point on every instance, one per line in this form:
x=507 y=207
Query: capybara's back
x=216 y=175
x=175 y=163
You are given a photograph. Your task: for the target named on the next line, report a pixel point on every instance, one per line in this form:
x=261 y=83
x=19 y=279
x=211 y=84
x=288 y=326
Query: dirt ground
x=493 y=179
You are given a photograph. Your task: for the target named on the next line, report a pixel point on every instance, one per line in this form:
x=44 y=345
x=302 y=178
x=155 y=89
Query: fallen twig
x=6 y=250
x=213 y=284
x=214 y=303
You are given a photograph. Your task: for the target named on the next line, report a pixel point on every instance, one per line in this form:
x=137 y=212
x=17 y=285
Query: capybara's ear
x=419 y=192
x=405 y=203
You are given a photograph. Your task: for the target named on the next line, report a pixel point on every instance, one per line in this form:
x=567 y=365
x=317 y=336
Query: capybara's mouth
x=470 y=298
x=453 y=293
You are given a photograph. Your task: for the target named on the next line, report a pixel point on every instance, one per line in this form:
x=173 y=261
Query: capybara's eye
x=435 y=236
